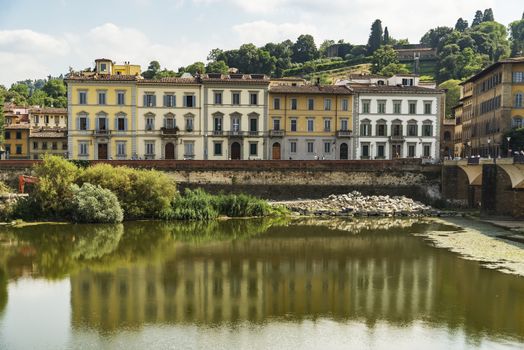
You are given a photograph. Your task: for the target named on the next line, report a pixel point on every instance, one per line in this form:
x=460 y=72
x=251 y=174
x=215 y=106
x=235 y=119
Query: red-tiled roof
x=311 y=89
x=172 y=80
x=395 y=89
x=48 y=110
x=103 y=77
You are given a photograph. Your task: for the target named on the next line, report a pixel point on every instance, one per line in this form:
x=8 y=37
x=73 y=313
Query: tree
x=478 y=19
x=217 y=67
x=152 y=69
x=516 y=142
x=215 y=55
x=21 y=89
x=196 y=68
x=375 y=38
x=304 y=49
x=55 y=88
x=40 y=98
x=394 y=68
x=461 y=25
x=452 y=88
x=434 y=36
x=382 y=57
x=491 y=40
x=387 y=39
x=2 y=120
x=282 y=52
x=326 y=44
x=488 y=15
x=94 y=204
x=517 y=37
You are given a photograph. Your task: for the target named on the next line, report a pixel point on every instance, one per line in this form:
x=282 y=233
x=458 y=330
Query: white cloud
x=262 y=32
x=29 y=41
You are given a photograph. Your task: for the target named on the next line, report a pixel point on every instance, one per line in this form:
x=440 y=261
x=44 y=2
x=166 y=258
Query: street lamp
x=489 y=148
x=509 y=147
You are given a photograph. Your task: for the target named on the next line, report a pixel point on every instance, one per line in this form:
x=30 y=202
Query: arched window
x=169 y=121
x=427 y=128
x=365 y=127
x=120 y=122
x=516 y=122
x=149 y=121
x=382 y=128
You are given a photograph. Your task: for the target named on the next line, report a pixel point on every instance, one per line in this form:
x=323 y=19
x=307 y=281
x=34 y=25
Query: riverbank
x=354 y=204
x=493 y=246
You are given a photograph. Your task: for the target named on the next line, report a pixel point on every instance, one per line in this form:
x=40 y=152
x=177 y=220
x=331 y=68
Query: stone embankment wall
x=285 y=180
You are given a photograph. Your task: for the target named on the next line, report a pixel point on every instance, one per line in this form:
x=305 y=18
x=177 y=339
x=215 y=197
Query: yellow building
x=310 y=122
x=102 y=112
x=16 y=141
x=48 y=118
x=50 y=141
x=459 y=148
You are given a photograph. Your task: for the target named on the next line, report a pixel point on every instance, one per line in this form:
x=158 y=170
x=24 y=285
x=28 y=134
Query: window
x=253 y=149
x=36 y=119
x=64 y=146
x=169 y=122
x=427 y=150
x=103 y=67
x=365 y=106
x=121 y=124
x=102 y=123
x=327 y=104
x=293 y=126
x=427 y=129
x=382 y=129
x=381 y=107
x=218 y=98
x=327 y=125
x=18 y=149
x=310 y=147
x=276 y=103
x=276 y=124
x=189 y=101
x=120 y=98
x=411 y=150
x=46 y=119
x=365 y=128
x=57 y=120
x=83 y=123
x=217 y=123
x=407 y=82
x=516 y=123
x=35 y=145
x=150 y=123
x=344 y=124
x=101 y=98
x=82 y=97
x=7 y=135
x=427 y=107
x=8 y=148
x=294 y=104
x=150 y=148
x=253 y=124
x=327 y=147
x=217 y=148
x=18 y=135
x=149 y=100
x=235 y=124
x=396 y=129
x=189 y=149
x=412 y=129
x=397 y=107
x=345 y=104
x=120 y=149
x=412 y=107
x=236 y=98
x=310 y=104
x=365 y=151
x=518 y=100
x=189 y=124
x=44 y=145
x=169 y=100
x=518 y=77
x=381 y=150
x=293 y=147
x=253 y=98
x=54 y=146
x=310 y=125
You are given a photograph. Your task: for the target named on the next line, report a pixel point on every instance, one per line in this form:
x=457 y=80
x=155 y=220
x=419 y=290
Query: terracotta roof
x=235 y=78
x=366 y=76
x=48 y=134
x=492 y=67
x=49 y=110
x=103 y=77
x=311 y=89
x=172 y=80
x=396 y=89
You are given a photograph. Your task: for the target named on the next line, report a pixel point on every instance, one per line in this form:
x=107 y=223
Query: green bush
x=53 y=192
x=194 y=205
x=94 y=204
x=143 y=194
x=241 y=205
x=4 y=188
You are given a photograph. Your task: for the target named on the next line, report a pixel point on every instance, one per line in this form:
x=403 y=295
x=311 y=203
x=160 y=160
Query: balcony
x=170 y=131
x=344 y=133
x=236 y=133
x=276 y=133
x=218 y=133
x=101 y=133
x=398 y=138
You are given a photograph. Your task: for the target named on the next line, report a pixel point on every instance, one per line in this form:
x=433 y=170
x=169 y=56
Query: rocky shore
x=356 y=204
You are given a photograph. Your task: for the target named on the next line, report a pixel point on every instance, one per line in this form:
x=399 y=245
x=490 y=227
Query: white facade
x=169 y=120
x=235 y=117
x=397 y=122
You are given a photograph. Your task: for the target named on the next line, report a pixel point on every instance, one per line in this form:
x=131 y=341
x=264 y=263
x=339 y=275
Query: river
x=251 y=284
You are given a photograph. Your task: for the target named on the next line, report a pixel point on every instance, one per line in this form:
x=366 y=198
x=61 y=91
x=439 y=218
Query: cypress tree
x=479 y=17
x=461 y=25
x=488 y=15
x=386 y=36
x=375 y=38
x=1 y=120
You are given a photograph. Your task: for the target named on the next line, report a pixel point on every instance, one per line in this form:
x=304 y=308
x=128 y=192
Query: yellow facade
x=16 y=141
x=518 y=110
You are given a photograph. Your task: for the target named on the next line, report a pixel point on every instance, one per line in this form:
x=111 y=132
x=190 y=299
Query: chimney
x=317 y=83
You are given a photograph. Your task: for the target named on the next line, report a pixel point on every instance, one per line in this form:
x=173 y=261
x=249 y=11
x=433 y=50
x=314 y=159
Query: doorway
x=235 y=151
x=102 y=151
x=276 y=151
x=169 y=151
x=344 y=151
x=396 y=151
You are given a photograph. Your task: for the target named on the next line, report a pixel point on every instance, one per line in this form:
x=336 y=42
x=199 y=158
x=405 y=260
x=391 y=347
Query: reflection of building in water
x=377 y=278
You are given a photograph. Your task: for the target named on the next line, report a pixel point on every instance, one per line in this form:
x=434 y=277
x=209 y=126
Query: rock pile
x=356 y=204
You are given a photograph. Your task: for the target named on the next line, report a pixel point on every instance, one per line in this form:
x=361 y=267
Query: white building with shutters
x=169 y=119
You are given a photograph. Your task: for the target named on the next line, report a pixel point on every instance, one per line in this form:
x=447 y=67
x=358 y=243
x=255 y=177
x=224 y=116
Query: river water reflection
x=253 y=284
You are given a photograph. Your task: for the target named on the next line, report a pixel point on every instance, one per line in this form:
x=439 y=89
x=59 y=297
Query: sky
x=45 y=37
